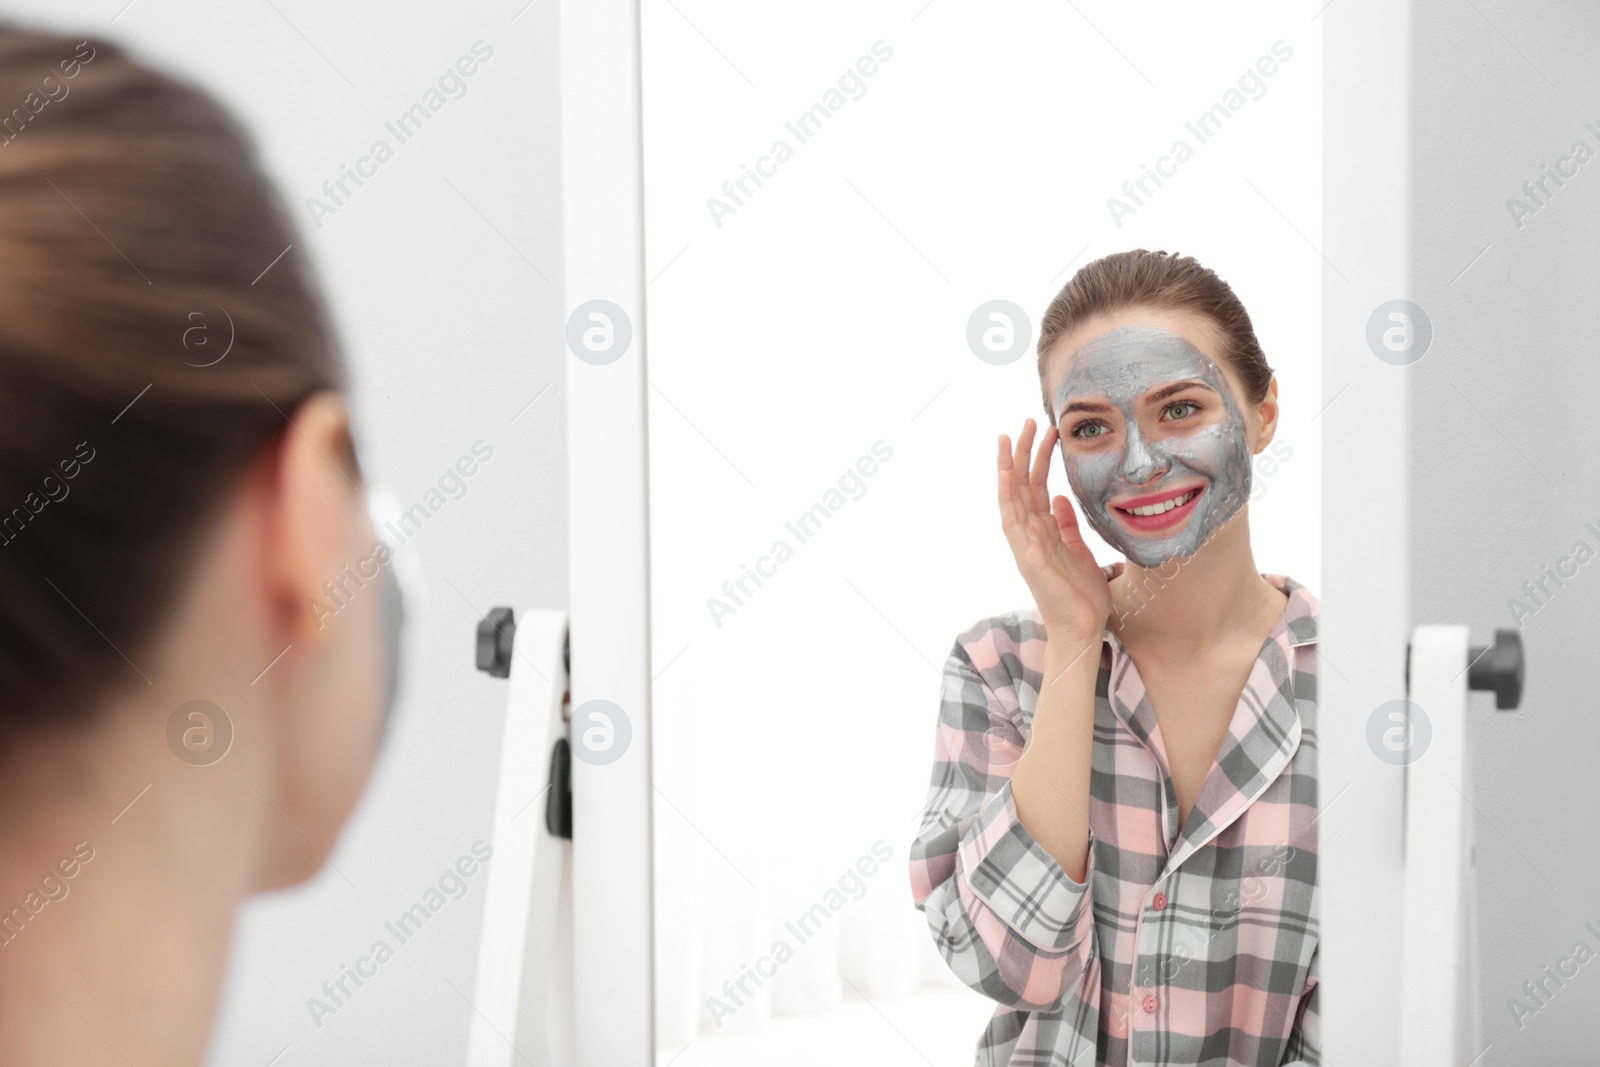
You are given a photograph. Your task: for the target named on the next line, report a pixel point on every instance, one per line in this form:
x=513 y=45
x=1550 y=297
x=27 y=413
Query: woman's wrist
x=1068 y=641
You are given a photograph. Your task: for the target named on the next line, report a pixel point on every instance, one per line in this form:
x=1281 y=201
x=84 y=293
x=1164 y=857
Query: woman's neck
x=117 y=899
x=1214 y=597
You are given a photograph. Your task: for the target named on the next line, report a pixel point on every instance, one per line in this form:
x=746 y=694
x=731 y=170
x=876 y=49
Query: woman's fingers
x=1027 y=512
x=1039 y=478
x=1014 y=484
x=1019 y=460
x=1066 y=519
x=1007 y=483
x=1013 y=508
x=1067 y=523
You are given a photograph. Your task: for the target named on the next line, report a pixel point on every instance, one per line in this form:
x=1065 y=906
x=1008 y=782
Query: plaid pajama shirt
x=1183 y=945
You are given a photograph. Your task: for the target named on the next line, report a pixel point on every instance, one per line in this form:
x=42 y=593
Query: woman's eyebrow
x=1082 y=405
x=1177 y=387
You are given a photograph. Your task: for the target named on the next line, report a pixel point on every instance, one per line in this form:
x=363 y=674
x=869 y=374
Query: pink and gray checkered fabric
x=1192 y=945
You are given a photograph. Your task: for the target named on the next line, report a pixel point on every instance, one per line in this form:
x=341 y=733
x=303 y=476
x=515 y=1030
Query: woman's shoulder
x=1006 y=645
x=1012 y=627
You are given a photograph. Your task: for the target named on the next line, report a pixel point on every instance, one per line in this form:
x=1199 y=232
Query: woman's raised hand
x=1069 y=588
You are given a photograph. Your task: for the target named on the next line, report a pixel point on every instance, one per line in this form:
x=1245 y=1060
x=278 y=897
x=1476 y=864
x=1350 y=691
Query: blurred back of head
x=154 y=333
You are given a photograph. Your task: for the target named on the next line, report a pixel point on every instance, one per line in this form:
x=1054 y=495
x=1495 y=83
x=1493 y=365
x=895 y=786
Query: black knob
x=1498 y=667
x=495 y=631
x=558 y=802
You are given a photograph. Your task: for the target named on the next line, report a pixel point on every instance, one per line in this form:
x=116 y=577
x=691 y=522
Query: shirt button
x=1160 y=902
x=1150 y=1003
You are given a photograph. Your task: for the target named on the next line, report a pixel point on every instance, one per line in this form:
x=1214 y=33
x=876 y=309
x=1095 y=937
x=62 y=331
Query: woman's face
x=1155 y=436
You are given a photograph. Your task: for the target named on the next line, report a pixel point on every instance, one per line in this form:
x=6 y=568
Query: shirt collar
x=1300 y=616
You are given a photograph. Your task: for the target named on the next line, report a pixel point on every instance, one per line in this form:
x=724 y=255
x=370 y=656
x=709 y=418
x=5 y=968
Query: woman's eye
x=1089 y=430
x=1182 y=409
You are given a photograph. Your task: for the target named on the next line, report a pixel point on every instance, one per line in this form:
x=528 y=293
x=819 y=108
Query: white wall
x=1505 y=479
x=451 y=332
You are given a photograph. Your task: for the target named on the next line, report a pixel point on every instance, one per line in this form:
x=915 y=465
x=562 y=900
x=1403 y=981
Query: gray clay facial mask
x=1145 y=468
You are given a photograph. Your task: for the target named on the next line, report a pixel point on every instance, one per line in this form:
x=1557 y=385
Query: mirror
x=854 y=221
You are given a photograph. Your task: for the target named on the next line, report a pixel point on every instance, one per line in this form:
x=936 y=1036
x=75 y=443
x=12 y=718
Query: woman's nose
x=1139 y=462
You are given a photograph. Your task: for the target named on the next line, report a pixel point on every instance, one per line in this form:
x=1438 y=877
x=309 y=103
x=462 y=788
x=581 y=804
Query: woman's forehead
x=1128 y=361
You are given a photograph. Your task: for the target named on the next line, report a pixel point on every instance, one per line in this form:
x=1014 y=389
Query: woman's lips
x=1172 y=517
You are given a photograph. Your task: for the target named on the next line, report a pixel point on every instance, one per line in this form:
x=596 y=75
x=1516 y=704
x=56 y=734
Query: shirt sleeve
x=1004 y=914
x=1304 y=1048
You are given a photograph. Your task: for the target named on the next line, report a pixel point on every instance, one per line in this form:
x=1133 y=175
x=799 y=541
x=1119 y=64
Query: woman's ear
x=315 y=511
x=1267 y=412
x=324 y=701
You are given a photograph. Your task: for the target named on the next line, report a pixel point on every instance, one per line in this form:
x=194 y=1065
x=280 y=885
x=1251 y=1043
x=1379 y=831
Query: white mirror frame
x=608 y=543
x=1365 y=624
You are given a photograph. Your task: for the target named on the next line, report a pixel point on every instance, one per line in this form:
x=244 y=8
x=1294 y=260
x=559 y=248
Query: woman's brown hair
x=1164 y=281
x=139 y=241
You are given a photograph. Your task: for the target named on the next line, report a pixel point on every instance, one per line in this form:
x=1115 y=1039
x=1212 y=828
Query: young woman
x=1119 y=844
x=180 y=726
